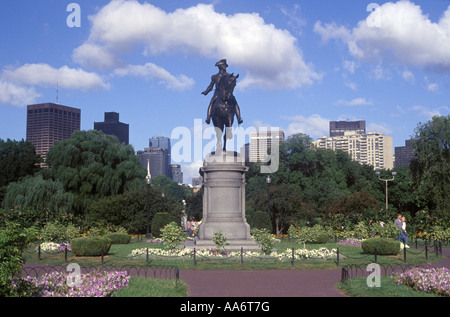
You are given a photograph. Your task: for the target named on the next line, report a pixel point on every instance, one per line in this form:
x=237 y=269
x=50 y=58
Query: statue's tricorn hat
x=222 y=62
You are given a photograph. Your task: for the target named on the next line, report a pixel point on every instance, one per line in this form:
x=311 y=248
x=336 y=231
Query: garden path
x=270 y=283
x=267 y=283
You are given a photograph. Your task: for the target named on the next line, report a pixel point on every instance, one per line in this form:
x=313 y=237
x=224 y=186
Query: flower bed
x=52 y=247
x=321 y=253
x=94 y=284
x=351 y=242
x=434 y=280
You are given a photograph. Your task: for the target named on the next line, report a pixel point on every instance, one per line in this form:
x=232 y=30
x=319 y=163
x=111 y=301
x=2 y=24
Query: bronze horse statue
x=223 y=106
x=223 y=111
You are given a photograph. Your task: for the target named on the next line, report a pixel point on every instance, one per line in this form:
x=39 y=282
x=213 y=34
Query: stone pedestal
x=224 y=202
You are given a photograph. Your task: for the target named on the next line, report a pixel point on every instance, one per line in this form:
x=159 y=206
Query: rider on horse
x=216 y=80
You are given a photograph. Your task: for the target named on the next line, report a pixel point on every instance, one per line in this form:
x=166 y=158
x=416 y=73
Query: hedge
x=383 y=246
x=90 y=246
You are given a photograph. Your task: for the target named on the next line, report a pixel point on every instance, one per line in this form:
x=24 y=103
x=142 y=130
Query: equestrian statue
x=223 y=105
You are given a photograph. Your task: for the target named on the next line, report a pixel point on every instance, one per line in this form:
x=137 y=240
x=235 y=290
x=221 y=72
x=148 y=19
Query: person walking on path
x=404 y=235
x=399 y=224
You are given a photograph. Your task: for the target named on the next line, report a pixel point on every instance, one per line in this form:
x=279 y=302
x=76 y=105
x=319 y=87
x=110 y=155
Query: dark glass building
x=112 y=126
x=177 y=174
x=338 y=128
x=48 y=123
x=404 y=154
x=158 y=153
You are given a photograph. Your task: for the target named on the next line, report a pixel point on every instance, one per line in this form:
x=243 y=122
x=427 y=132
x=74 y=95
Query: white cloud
x=269 y=55
x=17 y=95
x=314 y=126
x=152 y=71
x=379 y=128
x=95 y=57
x=406 y=35
x=429 y=113
x=354 y=102
x=432 y=87
x=45 y=75
x=408 y=76
x=191 y=170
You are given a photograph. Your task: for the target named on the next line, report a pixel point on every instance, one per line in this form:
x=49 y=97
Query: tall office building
x=176 y=173
x=48 y=123
x=338 y=128
x=112 y=126
x=372 y=149
x=261 y=142
x=404 y=154
x=158 y=153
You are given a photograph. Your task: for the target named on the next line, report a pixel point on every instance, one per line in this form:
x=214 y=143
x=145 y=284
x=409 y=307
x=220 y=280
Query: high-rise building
x=197 y=181
x=245 y=151
x=177 y=174
x=158 y=162
x=261 y=143
x=372 y=149
x=158 y=153
x=338 y=128
x=112 y=126
x=48 y=123
x=404 y=154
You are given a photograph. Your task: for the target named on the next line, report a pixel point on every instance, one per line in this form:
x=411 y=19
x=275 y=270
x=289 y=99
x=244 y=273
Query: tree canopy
x=87 y=166
x=17 y=159
x=430 y=168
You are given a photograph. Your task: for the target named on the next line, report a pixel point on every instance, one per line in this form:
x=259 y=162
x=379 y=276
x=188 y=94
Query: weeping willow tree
x=38 y=196
x=91 y=165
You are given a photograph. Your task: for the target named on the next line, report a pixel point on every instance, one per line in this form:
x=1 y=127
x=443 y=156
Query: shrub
x=160 y=220
x=383 y=246
x=90 y=246
x=118 y=238
x=264 y=238
x=361 y=230
x=56 y=231
x=220 y=240
x=13 y=239
x=173 y=235
x=310 y=235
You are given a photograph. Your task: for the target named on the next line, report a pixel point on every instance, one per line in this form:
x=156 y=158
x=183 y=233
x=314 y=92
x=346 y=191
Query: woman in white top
x=404 y=234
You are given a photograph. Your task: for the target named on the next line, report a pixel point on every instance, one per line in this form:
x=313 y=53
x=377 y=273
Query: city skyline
x=301 y=64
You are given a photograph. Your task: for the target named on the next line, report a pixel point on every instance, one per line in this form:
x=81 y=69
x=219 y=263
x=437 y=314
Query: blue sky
x=301 y=63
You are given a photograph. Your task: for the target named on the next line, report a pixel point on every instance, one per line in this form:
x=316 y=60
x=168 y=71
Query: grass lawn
x=357 y=287
x=149 y=287
x=119 y=257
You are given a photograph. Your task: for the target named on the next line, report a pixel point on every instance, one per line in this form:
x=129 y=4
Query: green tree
x=286 y=206
x=92 y=164
x=38 y=196
x=13 y=240
x=172 y=188
x=17 y=159
x=430 y=168
x=129 y=209
x=194 y=205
